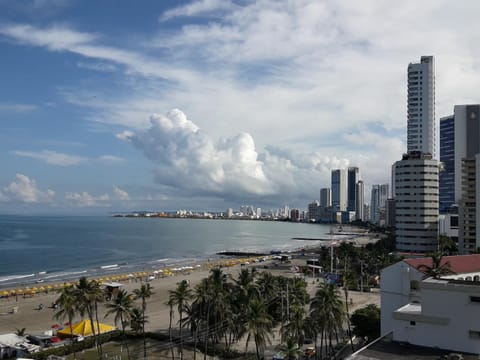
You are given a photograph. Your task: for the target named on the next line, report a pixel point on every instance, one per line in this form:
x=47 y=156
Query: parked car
x=309 y=352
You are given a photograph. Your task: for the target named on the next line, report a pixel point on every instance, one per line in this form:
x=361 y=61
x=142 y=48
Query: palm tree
x=170 y=306
x=67 y=308
x=267 y=286
x=348 y=280
x=290 y=349
x=327 y=311
x=138 y=320
x=180 y=297
x=438 y=268
x=258 y=325
x=144 y=292
x=86 y=294
x=294 y=328
x=20 y=332
x=122 y=308
x=219 y=304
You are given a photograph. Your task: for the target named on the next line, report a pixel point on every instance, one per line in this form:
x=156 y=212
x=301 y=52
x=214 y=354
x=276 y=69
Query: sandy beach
x=38 y=321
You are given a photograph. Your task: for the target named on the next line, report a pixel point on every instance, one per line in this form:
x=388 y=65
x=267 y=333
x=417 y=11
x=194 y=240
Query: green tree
x=181 y=297
x=348 y=280
x=122 y=307
x=144 y=292
x=366 y=322
x=294 y=328
x=327 y=311
x=446 y=245
x=290 y=349
x=138 y=320
x=437 y=269
x=88 y=294
x=67 y=309
x=20 y=332
x=258 y=325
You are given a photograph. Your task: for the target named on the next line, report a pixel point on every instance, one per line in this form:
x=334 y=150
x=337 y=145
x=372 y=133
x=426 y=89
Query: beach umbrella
x=67 y=284
x=49 y=287
x=34 y=289
x=41 y=289
x=5 y=293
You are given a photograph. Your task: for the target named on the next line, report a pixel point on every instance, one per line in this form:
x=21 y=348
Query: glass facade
x=447 y=157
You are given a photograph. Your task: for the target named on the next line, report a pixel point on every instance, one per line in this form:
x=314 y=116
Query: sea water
x=55 y=248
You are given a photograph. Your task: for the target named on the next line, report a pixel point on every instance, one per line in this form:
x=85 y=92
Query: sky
x=116 y=106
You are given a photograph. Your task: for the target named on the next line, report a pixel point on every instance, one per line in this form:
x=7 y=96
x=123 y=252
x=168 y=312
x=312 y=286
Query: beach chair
x=14 y=310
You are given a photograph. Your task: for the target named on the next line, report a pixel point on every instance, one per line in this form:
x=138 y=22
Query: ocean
x=58 y=248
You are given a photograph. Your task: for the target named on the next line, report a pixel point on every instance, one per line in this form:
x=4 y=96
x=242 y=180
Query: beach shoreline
x=28 y=315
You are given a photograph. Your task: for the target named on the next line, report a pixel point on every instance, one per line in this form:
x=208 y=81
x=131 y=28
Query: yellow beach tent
x=84 y=328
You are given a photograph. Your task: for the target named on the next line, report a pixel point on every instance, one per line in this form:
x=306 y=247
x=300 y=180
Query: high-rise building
x=325 y=197
x=360 y=201
x=339 y=190
x=313 y=211
x=378 y=201
x=447 y=158
x=390 y=213
x=352 y=178
x=467 y=175
x=416 y=203
x=295 y=215
x=421 y=106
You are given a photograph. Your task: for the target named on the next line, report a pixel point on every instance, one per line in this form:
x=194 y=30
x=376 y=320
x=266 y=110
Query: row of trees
x=84 y=299
x=221 y=310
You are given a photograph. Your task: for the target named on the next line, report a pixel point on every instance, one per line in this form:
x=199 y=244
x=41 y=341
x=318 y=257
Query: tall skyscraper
x=360 y=201
x=416 y=203
x=352 y=179
x=325 y=197
x=421 y=106
x=313 y=211
x=447 y=158
x=379 y=196
x=339 y=190
x=467 y=175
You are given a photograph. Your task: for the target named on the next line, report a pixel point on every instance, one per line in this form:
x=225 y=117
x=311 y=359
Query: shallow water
x=53 y=248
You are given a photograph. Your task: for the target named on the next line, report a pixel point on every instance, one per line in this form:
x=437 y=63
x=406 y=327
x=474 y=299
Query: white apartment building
x=421 y=106
x=439 y=313
x=416 y=203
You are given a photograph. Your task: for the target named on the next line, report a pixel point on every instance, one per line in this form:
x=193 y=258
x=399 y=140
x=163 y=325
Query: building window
x=412 y=323
x=475 y=299
x=474 y=334
x=414 y=285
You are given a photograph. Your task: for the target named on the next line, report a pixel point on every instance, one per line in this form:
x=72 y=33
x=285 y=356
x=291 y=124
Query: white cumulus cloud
x=52 y=157
x=120 y=194
x=86 y=199
x=187 y=160
x=24 y=189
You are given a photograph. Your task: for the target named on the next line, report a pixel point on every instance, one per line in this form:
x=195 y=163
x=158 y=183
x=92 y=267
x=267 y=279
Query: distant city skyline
x=206 y=104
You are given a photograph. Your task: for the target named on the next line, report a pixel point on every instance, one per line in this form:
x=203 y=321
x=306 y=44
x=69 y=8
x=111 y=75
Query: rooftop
x=386 y=348
x=460 y=264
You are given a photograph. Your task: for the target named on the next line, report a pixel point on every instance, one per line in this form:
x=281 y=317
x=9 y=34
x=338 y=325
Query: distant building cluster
x=427 y=197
